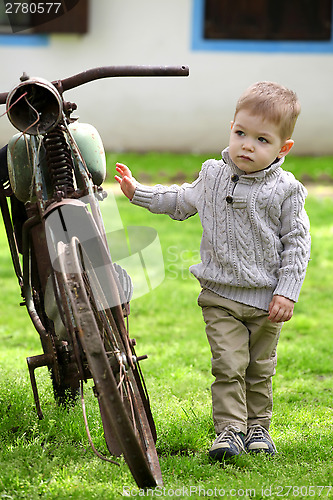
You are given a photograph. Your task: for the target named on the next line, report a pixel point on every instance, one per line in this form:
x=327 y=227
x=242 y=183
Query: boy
x=254 y=254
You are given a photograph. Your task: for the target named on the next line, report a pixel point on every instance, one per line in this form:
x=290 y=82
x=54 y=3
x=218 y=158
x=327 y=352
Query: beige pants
x=243 y=343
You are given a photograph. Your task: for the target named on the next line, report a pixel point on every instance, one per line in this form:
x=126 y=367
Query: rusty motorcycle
x=77 y=298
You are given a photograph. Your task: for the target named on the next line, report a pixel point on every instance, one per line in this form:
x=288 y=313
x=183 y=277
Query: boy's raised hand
x=126 y=180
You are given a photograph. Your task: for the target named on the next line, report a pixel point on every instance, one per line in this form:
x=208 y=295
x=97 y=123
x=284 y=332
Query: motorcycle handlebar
x=114 y=71
x=110 y=72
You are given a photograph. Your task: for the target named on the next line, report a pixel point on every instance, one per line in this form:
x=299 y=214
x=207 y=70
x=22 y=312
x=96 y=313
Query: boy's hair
x=273 y=102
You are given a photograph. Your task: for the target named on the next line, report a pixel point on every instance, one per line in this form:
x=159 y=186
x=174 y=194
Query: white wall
x=179 y=114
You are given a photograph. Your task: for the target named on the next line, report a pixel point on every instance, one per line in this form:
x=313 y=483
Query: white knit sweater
x=255 y=241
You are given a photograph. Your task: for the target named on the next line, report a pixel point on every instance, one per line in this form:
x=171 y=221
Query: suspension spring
x=59 y=160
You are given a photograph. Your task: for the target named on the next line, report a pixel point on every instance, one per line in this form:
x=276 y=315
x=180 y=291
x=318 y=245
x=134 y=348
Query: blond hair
x=274 y=102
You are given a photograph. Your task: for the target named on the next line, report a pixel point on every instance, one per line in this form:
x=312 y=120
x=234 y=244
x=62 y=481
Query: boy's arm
x=295 y=237
x=179 y=202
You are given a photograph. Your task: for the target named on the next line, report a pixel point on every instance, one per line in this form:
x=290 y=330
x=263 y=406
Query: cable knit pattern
x=256 y=240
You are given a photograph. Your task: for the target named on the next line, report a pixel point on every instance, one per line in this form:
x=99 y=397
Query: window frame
x=199 y=43
x=24 y=40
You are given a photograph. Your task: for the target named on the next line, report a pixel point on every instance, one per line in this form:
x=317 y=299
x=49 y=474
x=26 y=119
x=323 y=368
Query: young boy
x=254 y=254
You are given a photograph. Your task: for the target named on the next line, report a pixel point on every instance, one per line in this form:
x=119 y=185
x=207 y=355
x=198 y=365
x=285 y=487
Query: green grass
x=51 y=458
x=167 y=167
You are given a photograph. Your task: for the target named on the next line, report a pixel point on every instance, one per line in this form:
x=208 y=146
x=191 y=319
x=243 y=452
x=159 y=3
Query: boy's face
x=255 y=143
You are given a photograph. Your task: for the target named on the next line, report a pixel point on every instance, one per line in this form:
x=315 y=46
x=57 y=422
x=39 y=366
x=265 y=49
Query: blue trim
x=200 y=43
x=24 y=40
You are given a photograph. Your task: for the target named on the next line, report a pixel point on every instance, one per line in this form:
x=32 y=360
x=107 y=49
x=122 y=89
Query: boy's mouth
x=244 y=157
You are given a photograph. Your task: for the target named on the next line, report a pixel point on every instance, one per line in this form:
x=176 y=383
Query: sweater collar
x=261 y=174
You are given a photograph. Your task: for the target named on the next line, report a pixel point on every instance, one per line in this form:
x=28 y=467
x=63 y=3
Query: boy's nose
x=248 y=146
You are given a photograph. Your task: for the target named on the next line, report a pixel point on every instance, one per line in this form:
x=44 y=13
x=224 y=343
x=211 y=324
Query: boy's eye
x=240 y=133
x=262 y=139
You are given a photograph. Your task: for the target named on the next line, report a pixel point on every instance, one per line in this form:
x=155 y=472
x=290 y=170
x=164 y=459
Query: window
x=66 y=16
x=263 y=25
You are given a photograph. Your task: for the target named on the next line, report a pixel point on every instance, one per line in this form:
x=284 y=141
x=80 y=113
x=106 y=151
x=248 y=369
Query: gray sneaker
x=228 y=444
x=258 y=439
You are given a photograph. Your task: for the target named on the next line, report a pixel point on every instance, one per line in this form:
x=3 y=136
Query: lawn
x=167 y=167
x=51 y=458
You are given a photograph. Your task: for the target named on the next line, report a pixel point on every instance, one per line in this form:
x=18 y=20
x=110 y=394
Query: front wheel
x=107 y=354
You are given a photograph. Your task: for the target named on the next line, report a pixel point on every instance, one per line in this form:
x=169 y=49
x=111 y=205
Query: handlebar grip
x=114 y=71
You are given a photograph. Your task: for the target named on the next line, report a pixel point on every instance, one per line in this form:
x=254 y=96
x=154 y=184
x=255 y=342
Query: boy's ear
x=286 y=148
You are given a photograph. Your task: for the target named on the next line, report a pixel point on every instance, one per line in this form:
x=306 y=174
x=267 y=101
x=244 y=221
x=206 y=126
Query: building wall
x=178 y=114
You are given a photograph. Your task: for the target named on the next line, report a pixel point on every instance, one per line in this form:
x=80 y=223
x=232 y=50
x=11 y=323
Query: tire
x=106 y=353
x=63 y=373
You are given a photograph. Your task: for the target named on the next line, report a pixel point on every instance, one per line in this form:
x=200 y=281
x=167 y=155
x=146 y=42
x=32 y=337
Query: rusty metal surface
x=33 y=363
x=118 y=71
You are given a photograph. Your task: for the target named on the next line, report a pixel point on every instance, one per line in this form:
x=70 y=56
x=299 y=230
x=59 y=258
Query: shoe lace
x=257 y=432
x=228 y=434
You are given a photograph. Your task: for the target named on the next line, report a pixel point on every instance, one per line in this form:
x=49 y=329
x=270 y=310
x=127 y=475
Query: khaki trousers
x=243 y=344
